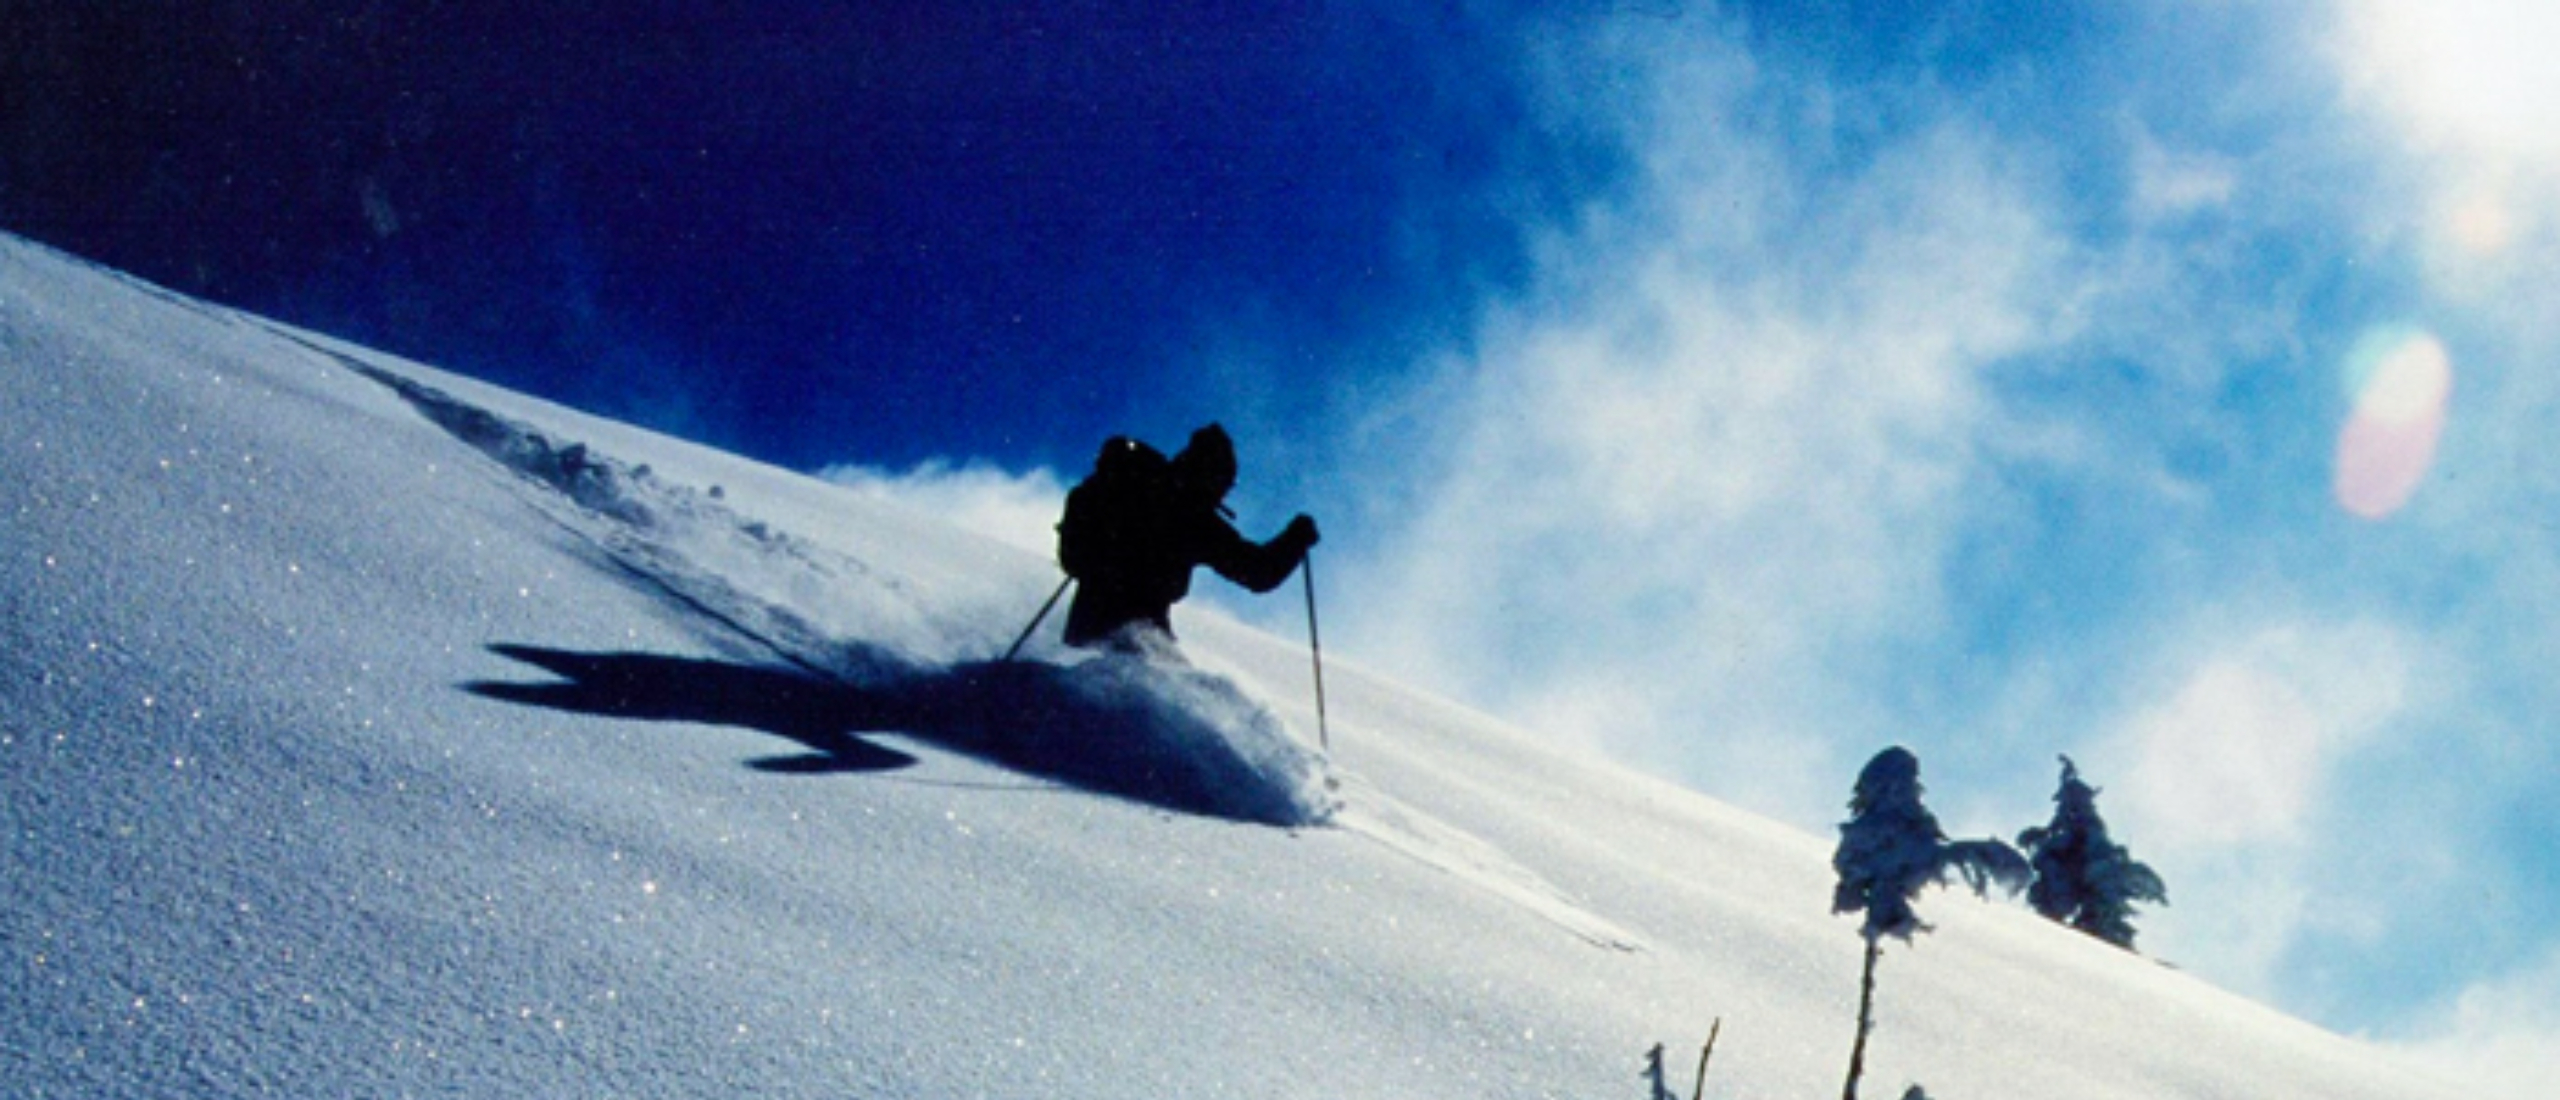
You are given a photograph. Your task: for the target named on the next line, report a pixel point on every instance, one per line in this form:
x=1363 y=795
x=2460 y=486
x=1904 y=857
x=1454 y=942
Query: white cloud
x=2240 y=753
x=2172 y=183
x=1720 y=452
x=2235 y=757
x=1019 y=510
x=2501 y=1037
x=2226 y=782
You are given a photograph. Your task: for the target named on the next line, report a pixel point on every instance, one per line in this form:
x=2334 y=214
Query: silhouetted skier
x=1139 y=524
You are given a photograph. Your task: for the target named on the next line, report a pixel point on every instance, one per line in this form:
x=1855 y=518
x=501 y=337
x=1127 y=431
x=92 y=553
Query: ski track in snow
x=1147 y=727
x=1370 y=813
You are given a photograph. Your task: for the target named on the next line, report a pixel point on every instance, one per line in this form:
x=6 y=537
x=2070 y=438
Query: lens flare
x=2400 y=381
x=2481 y=223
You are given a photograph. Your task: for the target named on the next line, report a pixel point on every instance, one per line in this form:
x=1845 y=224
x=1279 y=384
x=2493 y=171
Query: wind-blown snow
x=365 y=730
x=1147 y=727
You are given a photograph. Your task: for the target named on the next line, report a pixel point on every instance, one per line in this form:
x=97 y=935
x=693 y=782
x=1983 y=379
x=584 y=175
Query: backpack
x=1112 y=507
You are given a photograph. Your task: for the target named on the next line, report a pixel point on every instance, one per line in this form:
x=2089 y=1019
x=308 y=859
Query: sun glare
x=2484 y=73
x=2400 y=382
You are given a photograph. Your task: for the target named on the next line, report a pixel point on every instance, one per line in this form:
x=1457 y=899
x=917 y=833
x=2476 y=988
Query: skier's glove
x=1302 y=533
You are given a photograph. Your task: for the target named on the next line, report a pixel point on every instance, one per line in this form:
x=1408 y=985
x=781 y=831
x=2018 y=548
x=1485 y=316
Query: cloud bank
x=1714 y=462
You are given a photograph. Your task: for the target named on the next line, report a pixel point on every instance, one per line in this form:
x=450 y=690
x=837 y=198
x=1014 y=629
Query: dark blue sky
x=810 y=232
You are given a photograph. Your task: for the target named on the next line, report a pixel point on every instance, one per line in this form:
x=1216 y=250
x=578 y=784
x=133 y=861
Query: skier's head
x=1206 y=468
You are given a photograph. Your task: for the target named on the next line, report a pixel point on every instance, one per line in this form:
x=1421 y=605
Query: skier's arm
x=1260 y=567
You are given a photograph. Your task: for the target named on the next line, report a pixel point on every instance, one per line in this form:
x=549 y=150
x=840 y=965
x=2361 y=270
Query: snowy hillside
x=366 y=731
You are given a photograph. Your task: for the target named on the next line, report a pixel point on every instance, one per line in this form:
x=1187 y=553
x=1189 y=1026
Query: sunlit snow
x=368 y=731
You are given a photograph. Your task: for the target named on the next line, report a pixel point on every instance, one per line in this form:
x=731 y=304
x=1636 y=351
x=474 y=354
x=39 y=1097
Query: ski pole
x=1315 y=645
x=1705 y=1053
x=1036 y=619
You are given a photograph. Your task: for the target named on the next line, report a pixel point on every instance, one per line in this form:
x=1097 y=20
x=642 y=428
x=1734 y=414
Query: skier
x=1136 y=527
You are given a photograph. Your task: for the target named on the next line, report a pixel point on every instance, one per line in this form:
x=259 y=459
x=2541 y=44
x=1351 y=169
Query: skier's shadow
x=820 y=715
x=1029 y=716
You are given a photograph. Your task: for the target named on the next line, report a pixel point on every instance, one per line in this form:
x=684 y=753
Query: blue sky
x=1732 y=389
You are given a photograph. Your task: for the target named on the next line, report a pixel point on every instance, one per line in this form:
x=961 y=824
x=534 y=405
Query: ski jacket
x=1131 y=537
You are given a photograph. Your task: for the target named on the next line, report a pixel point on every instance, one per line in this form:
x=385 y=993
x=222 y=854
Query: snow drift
x=366 y=730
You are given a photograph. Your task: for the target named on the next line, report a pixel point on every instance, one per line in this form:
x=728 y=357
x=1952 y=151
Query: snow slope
x=368 y=731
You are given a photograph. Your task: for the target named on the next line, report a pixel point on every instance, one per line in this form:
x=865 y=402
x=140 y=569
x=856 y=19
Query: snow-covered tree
x=1890 y=849
x=2083 y=878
